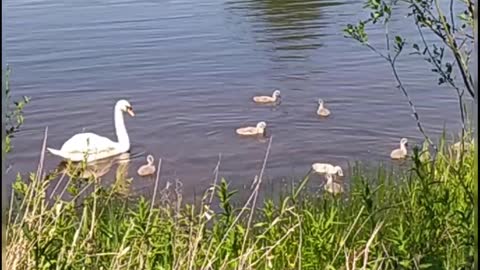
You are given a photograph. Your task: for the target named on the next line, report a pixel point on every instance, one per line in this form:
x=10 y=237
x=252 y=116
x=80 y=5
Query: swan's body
x=250 y=131
x=325 y=168
x=400 y=153
x=91 y=146
x=322 y=111
x=147 y=169
x=267 y=99
x=332 y=187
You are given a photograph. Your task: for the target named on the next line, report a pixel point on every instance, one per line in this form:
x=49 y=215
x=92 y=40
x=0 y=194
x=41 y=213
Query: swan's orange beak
x=130 y=111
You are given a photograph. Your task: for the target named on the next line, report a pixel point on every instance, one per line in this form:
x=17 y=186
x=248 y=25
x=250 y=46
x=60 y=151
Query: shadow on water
x=293 y=28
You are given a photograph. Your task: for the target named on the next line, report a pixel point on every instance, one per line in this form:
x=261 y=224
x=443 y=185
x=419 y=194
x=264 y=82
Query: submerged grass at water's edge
x=421 y=218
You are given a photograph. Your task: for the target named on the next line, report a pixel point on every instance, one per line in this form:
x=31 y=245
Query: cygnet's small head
x=125 y=106
x=276 y=93
x=261 y=125
x=404 y=142
x=339 y=170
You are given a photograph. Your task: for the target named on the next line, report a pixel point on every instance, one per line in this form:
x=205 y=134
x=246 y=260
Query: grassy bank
x=416 y=219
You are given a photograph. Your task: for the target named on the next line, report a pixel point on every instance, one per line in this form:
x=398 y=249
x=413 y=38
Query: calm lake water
x=190 y=68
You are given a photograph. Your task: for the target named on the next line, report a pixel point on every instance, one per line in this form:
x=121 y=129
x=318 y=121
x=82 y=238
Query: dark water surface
x=190 y=68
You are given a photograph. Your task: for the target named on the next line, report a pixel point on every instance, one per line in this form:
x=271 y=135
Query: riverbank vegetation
x=420 y=218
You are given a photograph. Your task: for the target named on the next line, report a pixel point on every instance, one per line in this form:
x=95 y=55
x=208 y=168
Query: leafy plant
x=13 y=112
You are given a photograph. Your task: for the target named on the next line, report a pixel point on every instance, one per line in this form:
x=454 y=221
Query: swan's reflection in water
x=98 y=171
x=94 y=169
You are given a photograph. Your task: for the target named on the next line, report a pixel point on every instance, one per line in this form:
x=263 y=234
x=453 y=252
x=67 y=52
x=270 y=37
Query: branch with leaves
x=453 y=37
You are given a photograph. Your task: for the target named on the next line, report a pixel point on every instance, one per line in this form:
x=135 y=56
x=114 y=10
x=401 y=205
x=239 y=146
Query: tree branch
x=452 y=44
x=449 y=80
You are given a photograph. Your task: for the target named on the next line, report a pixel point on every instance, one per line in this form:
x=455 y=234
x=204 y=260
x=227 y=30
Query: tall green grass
x=421 y=218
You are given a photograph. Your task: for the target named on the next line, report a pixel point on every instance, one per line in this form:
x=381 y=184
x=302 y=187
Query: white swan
x=147 y=169
x=400 y=153
x=267 y=99
x=259 y=129
x=94 y=147
x=332 y=187
x=322 y=111
x=325 y=168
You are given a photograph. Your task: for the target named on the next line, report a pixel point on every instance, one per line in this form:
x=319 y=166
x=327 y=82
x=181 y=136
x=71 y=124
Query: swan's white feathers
x=247 y=131
x=86 y=144
x=90 y=141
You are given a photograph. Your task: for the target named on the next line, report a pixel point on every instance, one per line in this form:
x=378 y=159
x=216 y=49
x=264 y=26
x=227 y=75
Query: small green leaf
x=425 y=266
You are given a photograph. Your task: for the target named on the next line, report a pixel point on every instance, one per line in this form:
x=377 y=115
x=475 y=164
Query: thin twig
x=291 y=230
x=58 y=184
x=452 y=16
x=156 y=184
x=257 y=187
x=344 y=239
x=375 y=50
x=42 y=156
x=216 y=172
x=369 y=243
x=208 y=262
x=154 y=193
x=412 y=106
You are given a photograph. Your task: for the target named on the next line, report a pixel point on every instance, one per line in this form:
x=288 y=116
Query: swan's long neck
x=403 y=147
x=150 y=160
x=320 y=108
x=122 y=136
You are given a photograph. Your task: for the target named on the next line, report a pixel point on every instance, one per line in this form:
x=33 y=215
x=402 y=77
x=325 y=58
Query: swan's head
x=276 y=93
x=320 y=101
x=150 y=159
x=339 y=170
x=261 y=125
x=404 y=142
x=125 y=106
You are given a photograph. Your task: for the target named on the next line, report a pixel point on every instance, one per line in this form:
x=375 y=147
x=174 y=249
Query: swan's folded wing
x=88 y=143
x=246 y=130
x=262 y=99
x=318 y=167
